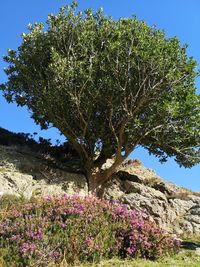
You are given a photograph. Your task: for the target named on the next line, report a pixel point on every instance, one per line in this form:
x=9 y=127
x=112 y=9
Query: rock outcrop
x=174 y=208
x=23 y=172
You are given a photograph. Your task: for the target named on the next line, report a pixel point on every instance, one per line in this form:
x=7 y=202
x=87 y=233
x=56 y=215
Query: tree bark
x=97 y=178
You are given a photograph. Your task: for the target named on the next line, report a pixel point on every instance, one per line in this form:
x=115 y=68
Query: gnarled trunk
x=96 y=182
x=97 y=178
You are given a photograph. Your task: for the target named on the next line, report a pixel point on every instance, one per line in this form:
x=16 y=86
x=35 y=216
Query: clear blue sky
x=176 y=17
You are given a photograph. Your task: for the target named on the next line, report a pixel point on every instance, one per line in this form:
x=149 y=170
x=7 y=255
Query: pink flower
x=15 y=237
x=90 y=241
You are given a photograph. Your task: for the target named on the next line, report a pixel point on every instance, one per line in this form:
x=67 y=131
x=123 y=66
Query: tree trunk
x=93 y=183
x=98 y=179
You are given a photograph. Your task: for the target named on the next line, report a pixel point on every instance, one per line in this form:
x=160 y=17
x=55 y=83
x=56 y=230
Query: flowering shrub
x=74 y=229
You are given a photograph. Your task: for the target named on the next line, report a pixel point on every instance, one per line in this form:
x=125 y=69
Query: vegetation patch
x=74 y=230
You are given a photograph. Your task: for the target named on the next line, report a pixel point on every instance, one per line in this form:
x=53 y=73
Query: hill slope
x=24 y=171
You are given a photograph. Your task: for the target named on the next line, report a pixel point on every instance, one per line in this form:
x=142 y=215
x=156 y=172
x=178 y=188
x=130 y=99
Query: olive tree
x=108 y=86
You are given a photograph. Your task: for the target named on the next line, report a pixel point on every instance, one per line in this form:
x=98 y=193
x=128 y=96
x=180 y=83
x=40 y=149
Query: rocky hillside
x=28 y=173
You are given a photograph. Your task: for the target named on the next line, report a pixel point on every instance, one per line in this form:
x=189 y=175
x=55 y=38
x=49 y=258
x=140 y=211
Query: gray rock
x=197 y=251
x=195 y=210
x=25 y=174
x=167 y=188
x=125 y=176
x=176 y=215
x=190 y=245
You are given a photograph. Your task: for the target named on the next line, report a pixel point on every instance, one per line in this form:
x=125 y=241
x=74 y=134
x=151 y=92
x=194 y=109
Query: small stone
x=197 y=251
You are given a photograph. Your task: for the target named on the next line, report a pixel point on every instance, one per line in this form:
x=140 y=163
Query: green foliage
x=8 y=201
x=108 y=86
x=184 y=258
x=8 y=138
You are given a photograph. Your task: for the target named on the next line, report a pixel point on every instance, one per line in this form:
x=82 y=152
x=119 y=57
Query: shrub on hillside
x=73 y=229
x=61 y=152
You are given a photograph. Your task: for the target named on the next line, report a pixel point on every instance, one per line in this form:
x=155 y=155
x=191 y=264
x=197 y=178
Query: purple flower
x=49 y=198
x=39 y=230
x=54 y=255
x=27 y=247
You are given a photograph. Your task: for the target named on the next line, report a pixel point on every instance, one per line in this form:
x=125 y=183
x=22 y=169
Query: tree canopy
x=108 y=86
